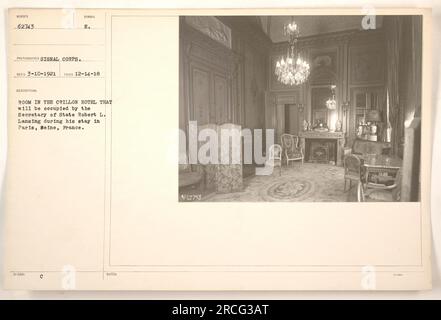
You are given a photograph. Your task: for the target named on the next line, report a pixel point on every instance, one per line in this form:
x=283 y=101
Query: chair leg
x=346 y=180
x=350 y=184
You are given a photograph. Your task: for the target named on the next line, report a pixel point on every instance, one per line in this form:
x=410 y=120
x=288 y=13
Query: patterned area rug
x=308 y=183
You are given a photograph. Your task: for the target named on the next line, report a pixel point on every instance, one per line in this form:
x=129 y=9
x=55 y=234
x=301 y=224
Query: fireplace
x=322 y=147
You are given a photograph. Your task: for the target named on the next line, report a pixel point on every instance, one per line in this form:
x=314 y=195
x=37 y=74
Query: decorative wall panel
x=348 y=60
x=323 y=67
x=230 y=82
x=366 y=64
x=255 y=86
x=210 y=88
x=200 y=95
x=220 y=99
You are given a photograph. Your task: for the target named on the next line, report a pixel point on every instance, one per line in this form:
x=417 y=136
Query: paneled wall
x=237 y=84
x=232 y=80
x=208 y=72
x=255 y=82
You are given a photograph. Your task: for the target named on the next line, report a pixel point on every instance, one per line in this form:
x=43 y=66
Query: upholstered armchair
x=291 y=148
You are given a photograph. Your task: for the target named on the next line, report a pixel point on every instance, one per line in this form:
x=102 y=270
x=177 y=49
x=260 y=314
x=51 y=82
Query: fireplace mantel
x=339 y=137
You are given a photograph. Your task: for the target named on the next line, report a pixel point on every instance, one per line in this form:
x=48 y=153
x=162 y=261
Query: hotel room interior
x=342 y=94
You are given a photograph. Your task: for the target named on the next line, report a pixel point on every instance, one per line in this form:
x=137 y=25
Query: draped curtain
x=403 y=74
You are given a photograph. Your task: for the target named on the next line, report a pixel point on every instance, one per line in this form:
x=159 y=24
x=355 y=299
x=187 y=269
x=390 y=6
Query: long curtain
x=392 y=25
x=403 y=73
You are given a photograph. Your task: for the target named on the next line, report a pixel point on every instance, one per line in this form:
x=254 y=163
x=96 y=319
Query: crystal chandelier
x=292 y=69
x=331 y=104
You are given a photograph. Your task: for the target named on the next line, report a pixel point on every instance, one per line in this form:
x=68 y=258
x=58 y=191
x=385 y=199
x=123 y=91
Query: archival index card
x=101 y=190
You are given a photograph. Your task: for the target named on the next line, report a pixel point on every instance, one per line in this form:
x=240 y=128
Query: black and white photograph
x=321 y=108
